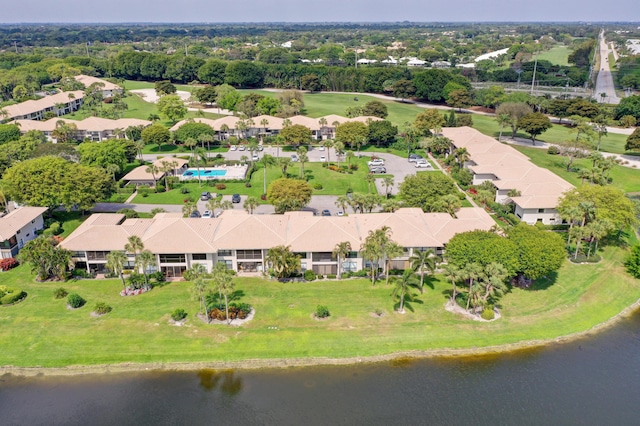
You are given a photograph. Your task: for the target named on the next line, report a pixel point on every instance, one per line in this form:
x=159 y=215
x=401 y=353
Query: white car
x=207 y=214
x=321 y=148
x=242 y=148
x=376 y=162
x=233 y=148
x=423 y=163
x=323 y=158
x=340 y=213
x=254 y=157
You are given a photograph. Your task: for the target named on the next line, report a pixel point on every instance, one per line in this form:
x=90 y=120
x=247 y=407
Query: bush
x=317 y=186
x=553 y=150
x=178 y=315
x=236 y=311
x=487 y=313
x=322 y=312
x=102 y=308
x=331 y=276
x=309 y=275
x=159 y=188
x=582 y=258
x=60 y=293
x=75 y=301
x=9 y=296
x=248 y=184
x=184 y=190
x=8 y=263
x=221 y=186
x=128 y=213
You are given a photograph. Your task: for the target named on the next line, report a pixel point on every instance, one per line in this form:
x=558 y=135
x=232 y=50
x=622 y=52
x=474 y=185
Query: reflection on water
x=590 y=381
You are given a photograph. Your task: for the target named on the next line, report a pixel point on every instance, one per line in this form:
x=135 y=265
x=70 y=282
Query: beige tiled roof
x=33 y=106
x=88 y=80
x=236 y=229
x=180 y=161
x=311 y=123
x=208 y=121
x=140 y=173
x=90 y=124
x=15 y=220
x=539 y=187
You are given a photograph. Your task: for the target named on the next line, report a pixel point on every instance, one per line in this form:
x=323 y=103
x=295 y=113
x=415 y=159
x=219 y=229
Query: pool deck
x=232 y=172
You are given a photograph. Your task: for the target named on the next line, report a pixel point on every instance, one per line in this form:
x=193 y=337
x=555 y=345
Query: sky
x=212 y=11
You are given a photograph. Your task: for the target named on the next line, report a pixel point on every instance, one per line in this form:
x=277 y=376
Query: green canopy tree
x=282 y=261
x=539 y=252
x=46 y=259
x=535 y=124
x=289 y=194
x=172 y=107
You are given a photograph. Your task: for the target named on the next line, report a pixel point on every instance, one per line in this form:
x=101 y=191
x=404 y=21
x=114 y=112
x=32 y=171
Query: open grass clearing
x=558 y=55
x=41 y=332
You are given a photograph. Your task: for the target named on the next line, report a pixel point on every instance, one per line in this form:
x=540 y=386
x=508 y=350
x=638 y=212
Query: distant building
x=95 y=129
x=108 y=89
x=60 y=104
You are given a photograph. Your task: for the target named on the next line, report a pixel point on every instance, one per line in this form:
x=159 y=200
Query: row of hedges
x=9 y=296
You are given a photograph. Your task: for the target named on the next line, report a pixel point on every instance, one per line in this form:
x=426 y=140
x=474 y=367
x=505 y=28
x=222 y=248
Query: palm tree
x=284 y=163
x=188 y=208
x=341 y=251
x=112 y=169
x=206 y=138
x=165 y=168
x=372 y=252
x=421 y=260
x=267 y=161
x=503 y=120
x=391 y=251
x=450 y=203
x=570 y=214
x=323 y=123
x=339 y=149
x=471 y=272
x=135 y=245
x=145 y=260
x=250 y=204
x=225 y=131
x=223 y=284
x=494 y=278
x=342 y=202
x=264 y=122
x=402 y=288
x=200 y=158
x=115 y=263
x=302 y=158
x=328 y=144
x=391 y=206
x=139 y=147
x=349 y=157
x=388 y=182
x=199 y=291
x=153 y=117
x=462 y=156
x=190 y=143
x=282 y=261
x=598 y=229
x=197 y=270
x=453 y=273
x=153 y=170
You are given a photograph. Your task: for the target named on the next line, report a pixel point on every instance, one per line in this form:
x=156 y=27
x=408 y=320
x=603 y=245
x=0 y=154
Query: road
x=604 y=81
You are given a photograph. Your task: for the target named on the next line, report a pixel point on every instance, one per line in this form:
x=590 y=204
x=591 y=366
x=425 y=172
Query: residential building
x=242 y=241
x=95 y=129
x=108 y=89
x=140 y=175
x=533 y=190
x=60 y=104
x=18 y=227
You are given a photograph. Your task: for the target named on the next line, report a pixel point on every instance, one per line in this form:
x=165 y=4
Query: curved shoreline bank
x=253 y=364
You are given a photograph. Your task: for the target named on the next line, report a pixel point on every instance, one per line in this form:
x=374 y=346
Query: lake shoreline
x=280 y=363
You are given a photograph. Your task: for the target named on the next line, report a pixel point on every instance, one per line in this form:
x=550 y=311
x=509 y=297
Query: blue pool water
x=204 y=172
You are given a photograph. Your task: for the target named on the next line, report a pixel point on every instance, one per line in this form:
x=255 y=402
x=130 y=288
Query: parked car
x=195 y=213
x=321 y=148
x=235 y=198
x=255 y=157
x=242 y=148
x=233 y=148
x=205 y=196
x=326 y=212
x=423 y=163
x=378 y=169
x=294 y=158
x=207 y=214
x=323 y=158
x=340 y=213
x=376 y=162
x=415 y=157
x=260 y=147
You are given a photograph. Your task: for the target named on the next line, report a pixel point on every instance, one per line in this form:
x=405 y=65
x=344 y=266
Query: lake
x=594 y=380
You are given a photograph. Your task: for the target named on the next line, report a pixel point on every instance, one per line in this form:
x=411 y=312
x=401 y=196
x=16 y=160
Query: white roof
x=17 y=219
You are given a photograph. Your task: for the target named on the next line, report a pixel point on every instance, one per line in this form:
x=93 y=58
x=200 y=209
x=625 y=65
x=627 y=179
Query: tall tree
x=421 y=261
x=402 y=289
x=115 y=263
x=341 y=251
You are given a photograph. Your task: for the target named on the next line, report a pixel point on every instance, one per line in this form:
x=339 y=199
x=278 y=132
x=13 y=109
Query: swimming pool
x=205 y=172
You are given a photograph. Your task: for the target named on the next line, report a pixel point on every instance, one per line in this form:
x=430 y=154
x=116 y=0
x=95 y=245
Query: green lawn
x=333 y=183
x=613 y=142
x=625 y=178
x=557 y=55
x=40 y=331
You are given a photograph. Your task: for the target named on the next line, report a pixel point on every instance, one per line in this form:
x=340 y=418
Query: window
x=302 y=255
x=78 y=254
x=172 y=258
x=224 y=253
x=97 y=255
x=540 y=210
x=325 y=256
x=199 y=256
x=248 y=254
x=227 y=263
x=352 y=255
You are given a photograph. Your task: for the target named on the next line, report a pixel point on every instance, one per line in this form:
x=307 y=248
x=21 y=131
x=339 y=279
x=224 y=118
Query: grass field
x=625 y=178
x=333 y=183
x=557 y=55
x=40 y=331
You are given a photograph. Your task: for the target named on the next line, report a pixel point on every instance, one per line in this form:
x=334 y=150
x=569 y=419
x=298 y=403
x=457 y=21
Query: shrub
x=184 y=190
x=248 y=184
x=158 y=276
x=128 y=213
x=553 y=150
x=221 y=186
x=8 y=263
x=487 y=313
x=102 y=308
x=11 y=296
x=236 y=311
x=322 y=312
x=317 y=186
x=309 y=275
x=178 y=315
x=60 y=293
x=331 y=276
x=75 y=301
x=159 y=188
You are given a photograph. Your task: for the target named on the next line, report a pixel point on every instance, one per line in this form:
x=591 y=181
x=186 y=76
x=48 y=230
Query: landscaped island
x=42 y=332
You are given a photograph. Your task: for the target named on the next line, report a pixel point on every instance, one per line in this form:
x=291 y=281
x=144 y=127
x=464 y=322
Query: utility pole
x=15 y=44
x=86 y=45
x=535 y=68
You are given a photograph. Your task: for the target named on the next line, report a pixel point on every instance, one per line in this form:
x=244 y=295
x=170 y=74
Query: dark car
x=205 y=196
x=195 y=213
x=414 y=157
x=235 y=198
x=326 y=212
